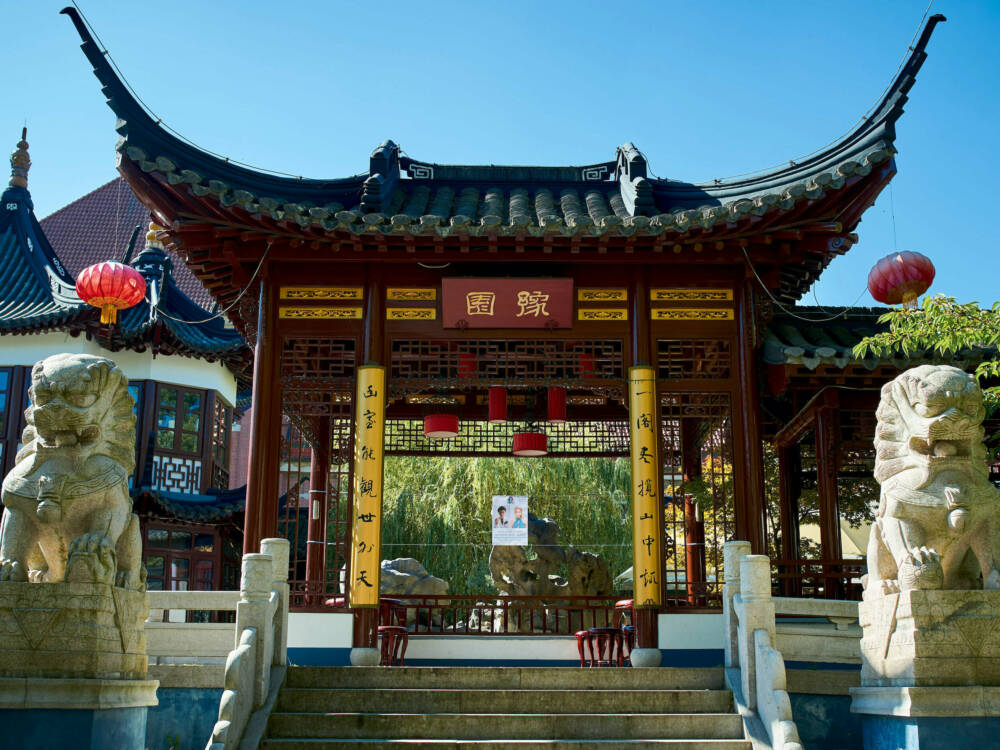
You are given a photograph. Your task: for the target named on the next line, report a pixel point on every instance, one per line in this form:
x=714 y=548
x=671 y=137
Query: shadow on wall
x=184 y=718
x=825 y=722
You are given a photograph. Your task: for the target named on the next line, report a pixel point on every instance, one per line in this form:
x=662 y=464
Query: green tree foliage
x=438 y=510
x=944 y=327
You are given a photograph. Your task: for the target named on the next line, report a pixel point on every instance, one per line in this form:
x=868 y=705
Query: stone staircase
x=489 y=708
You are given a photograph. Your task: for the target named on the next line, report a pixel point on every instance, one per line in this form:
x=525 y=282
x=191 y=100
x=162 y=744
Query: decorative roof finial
x=151 y=240
x=20 y=162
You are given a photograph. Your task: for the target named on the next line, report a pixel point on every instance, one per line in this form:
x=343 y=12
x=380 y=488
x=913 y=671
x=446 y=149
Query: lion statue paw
x=12 y=570
x=921 y=570
x=91 y=559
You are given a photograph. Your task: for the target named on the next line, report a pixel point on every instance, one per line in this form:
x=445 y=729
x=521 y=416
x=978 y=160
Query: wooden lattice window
x=222 y=418
x=182 y=558
x=695 y=358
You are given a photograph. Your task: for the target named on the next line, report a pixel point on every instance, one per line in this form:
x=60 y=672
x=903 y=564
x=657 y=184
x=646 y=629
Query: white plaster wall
x=28 y=349
x=321 y=630
x=695 y=630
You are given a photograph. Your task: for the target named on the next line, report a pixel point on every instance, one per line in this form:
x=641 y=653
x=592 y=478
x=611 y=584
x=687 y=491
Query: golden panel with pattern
x=691 y=295
x=410 y=313
x=601 y=313
x=594 y=294
x=691 y=313
x=321 y=292
x=399 y=294
x=320 y=313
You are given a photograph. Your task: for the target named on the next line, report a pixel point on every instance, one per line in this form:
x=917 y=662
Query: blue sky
x=703 y=89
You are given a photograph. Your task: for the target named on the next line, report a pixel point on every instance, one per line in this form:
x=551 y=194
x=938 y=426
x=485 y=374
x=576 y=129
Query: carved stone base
x=931 y=638
x=81 y=630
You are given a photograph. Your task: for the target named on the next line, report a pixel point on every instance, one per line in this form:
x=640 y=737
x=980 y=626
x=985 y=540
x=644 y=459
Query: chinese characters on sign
x=646 y=502
x=507 y=303
x=366 y=553
x=509 y=520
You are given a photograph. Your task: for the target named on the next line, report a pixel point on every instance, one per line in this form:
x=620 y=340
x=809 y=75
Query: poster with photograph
x=509 y=520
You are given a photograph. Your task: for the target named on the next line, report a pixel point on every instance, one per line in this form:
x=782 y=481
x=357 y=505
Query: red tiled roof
x=97 y=227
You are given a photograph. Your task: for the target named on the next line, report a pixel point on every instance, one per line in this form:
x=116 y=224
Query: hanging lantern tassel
x=497 y=405
x=556 y=402
x=112 y=287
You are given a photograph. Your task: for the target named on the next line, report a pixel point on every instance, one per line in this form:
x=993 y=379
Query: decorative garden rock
x=68 y=514
x=405 y=575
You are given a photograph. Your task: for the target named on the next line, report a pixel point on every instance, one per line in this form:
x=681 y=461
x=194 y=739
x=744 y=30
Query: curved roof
x=413 y=201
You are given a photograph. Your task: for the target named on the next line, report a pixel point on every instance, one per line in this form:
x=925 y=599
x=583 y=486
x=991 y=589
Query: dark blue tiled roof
x=215 y=505
x=36 y=292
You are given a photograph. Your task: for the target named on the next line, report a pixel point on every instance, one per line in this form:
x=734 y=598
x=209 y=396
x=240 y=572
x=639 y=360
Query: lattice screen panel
x=696 y=431
x=697 y=359
x=514 y=363
x=478 y=438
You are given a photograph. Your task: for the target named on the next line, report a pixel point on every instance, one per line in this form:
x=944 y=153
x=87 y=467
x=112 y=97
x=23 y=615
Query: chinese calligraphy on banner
x=646 y=501
x=509 y=520
x=507 y=303
x=366 y=536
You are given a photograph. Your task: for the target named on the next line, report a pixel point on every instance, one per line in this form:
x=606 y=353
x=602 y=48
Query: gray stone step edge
x=257 y=723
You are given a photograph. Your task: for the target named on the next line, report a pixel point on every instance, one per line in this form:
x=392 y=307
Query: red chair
x=607 y=647
x=392 y=633
x=581 y=644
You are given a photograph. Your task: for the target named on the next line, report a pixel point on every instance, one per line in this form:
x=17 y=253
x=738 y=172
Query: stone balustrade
x=255 y=667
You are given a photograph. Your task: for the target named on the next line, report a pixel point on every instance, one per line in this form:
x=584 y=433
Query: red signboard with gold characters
x=507 y=303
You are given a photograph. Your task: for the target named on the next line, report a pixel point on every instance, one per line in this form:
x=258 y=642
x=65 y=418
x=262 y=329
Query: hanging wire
x=222 y=312
x=786 y=310
x=892 y=212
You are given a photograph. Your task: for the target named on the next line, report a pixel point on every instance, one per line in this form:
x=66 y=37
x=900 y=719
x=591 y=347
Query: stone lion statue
x=939 y=516
x=68 y=513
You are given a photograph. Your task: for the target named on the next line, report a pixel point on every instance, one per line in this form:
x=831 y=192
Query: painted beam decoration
x=646 y=502
x=507 y=303
x=366 y=535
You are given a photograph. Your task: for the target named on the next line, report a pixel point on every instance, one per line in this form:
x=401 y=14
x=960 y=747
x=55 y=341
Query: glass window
x=154 y=566
x=179 y=568
x=204 y=542
x=157 y=538
x=180 y=540
x=178 y=419
x=4 y=387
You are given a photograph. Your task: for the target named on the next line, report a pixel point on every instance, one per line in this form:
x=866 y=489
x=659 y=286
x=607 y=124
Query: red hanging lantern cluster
x=441 y=426
x=530 y=444
x=112 y=287
x=900 y=278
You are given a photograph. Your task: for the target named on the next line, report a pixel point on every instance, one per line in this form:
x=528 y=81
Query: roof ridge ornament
x=20 y=162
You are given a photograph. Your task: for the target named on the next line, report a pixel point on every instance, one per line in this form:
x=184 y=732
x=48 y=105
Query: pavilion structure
x=375 y=300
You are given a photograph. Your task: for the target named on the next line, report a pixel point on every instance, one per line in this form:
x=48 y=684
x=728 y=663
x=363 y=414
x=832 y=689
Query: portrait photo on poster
x=509 y=520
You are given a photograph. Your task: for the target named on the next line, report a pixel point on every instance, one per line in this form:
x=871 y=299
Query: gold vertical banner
x=646 y=501
x=366 y=531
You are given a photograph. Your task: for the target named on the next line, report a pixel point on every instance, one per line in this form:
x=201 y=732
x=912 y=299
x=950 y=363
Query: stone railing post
x=757 y=610
x=278 y=549
x=733 y=553
x=252 y=611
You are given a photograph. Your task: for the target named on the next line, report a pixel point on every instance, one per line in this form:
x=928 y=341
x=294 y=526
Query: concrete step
x=457 y=701
x=507 y=678
x=348 y=726
x=320 y=744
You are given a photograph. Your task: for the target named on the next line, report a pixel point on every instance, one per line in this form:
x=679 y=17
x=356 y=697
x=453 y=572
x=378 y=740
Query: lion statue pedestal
x=931 y=609
x=72 y=586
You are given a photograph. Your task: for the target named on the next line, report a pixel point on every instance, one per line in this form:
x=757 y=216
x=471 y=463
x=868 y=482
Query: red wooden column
x=319 y=477
x=749 y=463
x=827 y=427
x=646 y=624
x=789 y=481
x=373 y=347
x=694 y=529
x=262 y=474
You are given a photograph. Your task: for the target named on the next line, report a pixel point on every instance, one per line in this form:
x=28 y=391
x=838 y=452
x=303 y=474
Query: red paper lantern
x=587 y=364
x=441 y=426
x=556 y=402
x=466 y=365
x=900 y=278
x=498 y=405
x=530 y=444
x=112 y=287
